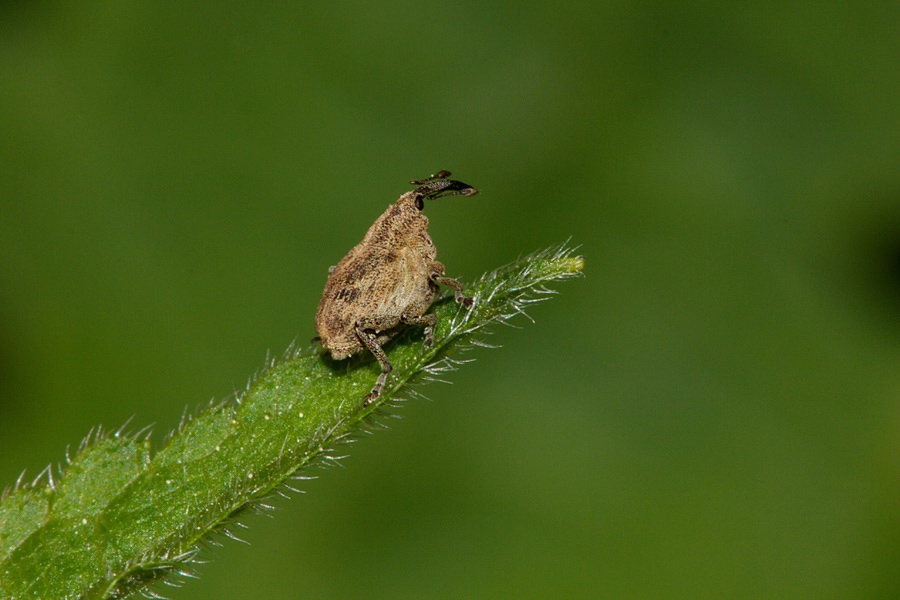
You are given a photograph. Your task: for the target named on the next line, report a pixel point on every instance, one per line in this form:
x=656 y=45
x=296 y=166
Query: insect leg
x=368 y=340
x=457 y=289
x=428 y=321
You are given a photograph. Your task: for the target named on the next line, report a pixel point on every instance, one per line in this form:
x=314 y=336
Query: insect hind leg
x=368 y=340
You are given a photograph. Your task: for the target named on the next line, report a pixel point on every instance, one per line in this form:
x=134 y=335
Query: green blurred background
x=712 y=412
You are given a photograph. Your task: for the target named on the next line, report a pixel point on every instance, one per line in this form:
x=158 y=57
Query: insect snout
x=438 y=185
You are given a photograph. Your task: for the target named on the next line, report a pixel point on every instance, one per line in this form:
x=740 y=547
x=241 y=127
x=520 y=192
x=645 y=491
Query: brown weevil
x=388 y=280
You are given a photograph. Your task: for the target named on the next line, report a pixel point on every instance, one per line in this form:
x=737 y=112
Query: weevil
x=388 y=280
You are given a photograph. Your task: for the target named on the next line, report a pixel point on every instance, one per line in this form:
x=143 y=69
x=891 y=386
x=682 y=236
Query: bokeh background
x=711 y=412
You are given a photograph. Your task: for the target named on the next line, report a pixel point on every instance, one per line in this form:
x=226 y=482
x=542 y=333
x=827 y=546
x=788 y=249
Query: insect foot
x=388 y=280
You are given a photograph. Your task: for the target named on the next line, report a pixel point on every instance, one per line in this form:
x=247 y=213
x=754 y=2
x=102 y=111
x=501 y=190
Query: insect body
x=388 y=280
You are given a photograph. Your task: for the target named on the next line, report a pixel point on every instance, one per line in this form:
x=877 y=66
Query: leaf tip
x=572 y=264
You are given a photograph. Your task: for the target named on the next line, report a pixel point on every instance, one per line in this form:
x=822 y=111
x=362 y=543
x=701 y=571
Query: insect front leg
x=466 y=301
x=428 y=321
x=368 y=340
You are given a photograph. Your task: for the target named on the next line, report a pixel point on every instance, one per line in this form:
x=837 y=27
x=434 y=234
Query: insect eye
x=419 y=203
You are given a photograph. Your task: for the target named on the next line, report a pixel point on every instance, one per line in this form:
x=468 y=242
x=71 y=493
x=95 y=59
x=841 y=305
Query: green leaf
x=118 y=520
